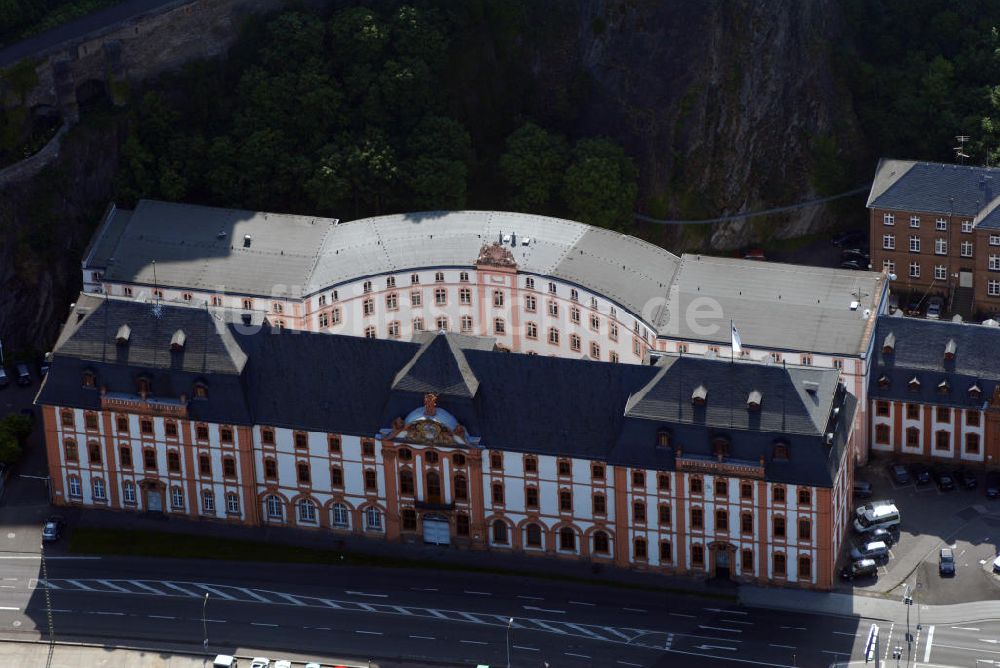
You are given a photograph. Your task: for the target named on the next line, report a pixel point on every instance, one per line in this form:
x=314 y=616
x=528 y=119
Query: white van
x=225 y=661
x=880 y=516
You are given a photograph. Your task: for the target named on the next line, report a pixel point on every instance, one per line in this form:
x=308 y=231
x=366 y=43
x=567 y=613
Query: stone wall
x=30 y=166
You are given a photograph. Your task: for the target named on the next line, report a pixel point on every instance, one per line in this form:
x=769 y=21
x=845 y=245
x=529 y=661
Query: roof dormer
x=975 y=392
x=889 y=344
x=754 y=400
x=949 y=349
x=699 y=396
x=914 y=384
x=177 y=341
x=944 y=387
x=883 y=382
x=123 y=335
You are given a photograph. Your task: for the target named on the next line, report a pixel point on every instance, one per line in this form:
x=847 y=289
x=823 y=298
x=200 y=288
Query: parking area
x=963 y=519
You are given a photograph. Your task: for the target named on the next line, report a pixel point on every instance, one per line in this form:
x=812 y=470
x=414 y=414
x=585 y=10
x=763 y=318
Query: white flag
x=737 y=343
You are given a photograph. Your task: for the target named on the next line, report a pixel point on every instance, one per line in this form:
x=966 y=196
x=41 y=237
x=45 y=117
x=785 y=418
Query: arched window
x=208 y=501
x=74 y=487
x=882 y=434
x=639 y=511
x=406 y=482
x=500 y=532
x=972 y=443
x=274 y=507
x=128 y=492
x=340 y=515
x=639 y=548
x=232 y=503
x=373 y=519
x=204 y=464
x=71 y=452
x=200 y=390
x=433 y=487
x=307 y=511
x=173 y=461
x=176 y=498
x=100 y=492
x=533 y=535
x=567 y=539
x=461 y=488
x=270 y=469
x=601 y=543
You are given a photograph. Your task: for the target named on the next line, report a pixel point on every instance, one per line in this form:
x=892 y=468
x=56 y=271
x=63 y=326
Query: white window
x=100 y=492
x=466 y=323
x=74 y=487
x=940 y=247
x=208 y=501
x=941 y=224
x=128 y=492
x=552 y=288
x=232 y=503
x=497 y=298
x=390 y=282
x=416 y=298
x=394 y=329
x=914 y=244
x=341 y=517
x=940 y=272
x=992 y=289
x=307 y=511
x=966 y=226
x=373 y=519
x=914 y=221
x=889 y=241
x=966 y=249
x=994 y=263
x=889 y=265
x=888 y=219
x=995 y=240
x=914 y=270
x=274 y=507
x=574 y=295
x=176 y=498
x=529 y=283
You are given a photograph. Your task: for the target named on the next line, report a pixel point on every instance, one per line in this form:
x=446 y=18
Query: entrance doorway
x=154 y=501
x=437 y=531
x=722 y=563
x=964 y=279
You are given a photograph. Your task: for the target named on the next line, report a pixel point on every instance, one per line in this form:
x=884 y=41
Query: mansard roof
x=937 y=188
x=439 y=367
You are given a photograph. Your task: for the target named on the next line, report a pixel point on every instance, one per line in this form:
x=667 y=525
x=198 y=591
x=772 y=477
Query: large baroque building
x=535 y=284
x=690 y=465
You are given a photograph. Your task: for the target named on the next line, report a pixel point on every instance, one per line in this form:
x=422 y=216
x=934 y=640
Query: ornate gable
x=430 y=425
x=495 y=255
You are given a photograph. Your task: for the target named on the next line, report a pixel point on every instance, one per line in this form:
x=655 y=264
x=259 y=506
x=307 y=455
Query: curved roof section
x=617 y=266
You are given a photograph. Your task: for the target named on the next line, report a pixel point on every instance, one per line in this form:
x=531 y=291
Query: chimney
x=122 y=337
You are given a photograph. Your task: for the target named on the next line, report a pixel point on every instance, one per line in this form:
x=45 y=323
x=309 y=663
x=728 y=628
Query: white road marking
x=423 y=589
x=322 y=628
x=680 y=614
x=10 y=579
x=361 y=593
x=527 y=649
x=401 y=610
x=146 y=587
x=965 y=628
x=182 y=589
x=472 y=618
x=628 y=663
x=795 y=628
x=731 y=649
x=60 y=610
x=733 y=621
x=582 y=603
x=844 y=633
x=477 y=593
x=720 y=628
x=531 y=607
x=617 y=633
x=781 y=646
x=585 y=631
x=112 y=585
x=213 y=621
x=728 y=612
x=531 y=598
x=160 y=617
x=77 y=583
x=634 y=610
x=553 y=629
x=827 y=651
x=370 y=633
x=102 y=612
x=6 y=608
x=289 y=598
x=422 y=637
x=474 y=642
x=217 y=592
x=579 y=656
x=9 y=586
x=989 y=640
x=930 y=643
x=263 y=624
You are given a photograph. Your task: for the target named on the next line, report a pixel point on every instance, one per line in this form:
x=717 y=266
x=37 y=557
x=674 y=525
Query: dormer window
x=720 y=446
x=914 y=384
x=950 y=349
x=122 y=337
x=663 y=438
x=754 y=400
x=200 y=390
x=177 y=341
x=142 y=385
x=889 y=344
x=89 y=379
x=699 y=396
x=883 y=381
x=943 y=387
x=975 y=392
x=780 y=451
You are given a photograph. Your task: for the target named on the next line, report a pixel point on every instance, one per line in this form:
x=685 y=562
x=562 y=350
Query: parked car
x=52 y=529
x=854 y=264
x=4 y=380
x=855 y=254
x=921 y=473
x=862 y=489
x=992 y=485
x=946 y=562
x=283 y=663
x=935 y=305
x=23 y=375
x=754 y=254
x=865 y=568
x=850 y=238
x=996 y=565
x=965 y=478
x=899 y=474
x=225 y=661
x=944 y=480
x=260 y=662
x=875 y=549
x=888 y=536
x=914 y=305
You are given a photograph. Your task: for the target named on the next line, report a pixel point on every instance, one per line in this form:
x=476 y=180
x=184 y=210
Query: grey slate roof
x=105 y=240
x=963 y=190
x=919 y=352
x=522 y=403
x=773 y=305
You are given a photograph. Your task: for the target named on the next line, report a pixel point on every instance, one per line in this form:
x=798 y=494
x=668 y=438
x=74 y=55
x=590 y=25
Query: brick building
x=692 y=465
x=937 y=228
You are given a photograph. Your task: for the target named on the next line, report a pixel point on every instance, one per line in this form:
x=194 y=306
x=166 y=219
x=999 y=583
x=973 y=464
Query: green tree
x=533 y=164
x=600 y=186
x=437 y=172
x=371 y=168
x=14 y=429
x=328 y=186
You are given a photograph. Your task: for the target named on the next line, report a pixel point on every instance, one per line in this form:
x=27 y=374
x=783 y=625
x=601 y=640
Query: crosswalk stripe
x=548 y=626
x=77 y=583
x=139 y=584
x=330 y=603
x=181 y=589
x=288 y=597
x=615 y=631
x=112 y=585
x=585 y=630
x=252 y=594
x=217 y=592
x=472 y=618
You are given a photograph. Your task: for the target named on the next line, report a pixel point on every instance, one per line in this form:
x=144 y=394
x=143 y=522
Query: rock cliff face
x=722 y=103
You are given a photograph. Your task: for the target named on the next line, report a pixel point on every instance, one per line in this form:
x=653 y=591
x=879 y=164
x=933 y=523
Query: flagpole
x=732 y=346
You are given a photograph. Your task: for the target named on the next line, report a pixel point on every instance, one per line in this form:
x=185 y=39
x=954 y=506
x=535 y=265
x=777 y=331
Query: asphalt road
x=402 y=616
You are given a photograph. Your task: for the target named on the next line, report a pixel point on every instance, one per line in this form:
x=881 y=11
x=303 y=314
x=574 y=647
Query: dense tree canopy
x=600 y=184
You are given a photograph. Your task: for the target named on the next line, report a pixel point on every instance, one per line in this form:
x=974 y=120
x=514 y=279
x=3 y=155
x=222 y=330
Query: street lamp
x=907 y=601
x=510 y=623
x=204 y=621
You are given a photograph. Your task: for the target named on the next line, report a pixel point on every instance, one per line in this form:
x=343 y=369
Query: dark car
x=862 y=489
x=913 y=306
x=946 y=562
x=887 y=536
x=4 y=380
x=944 y=480
x=854 y=264
x=992 y=485
x=855 y=254
x=52 y=528
x=863 y=568
x=23 y=375
x=965 y=478
x=921 y=473
x=850 y=239
x=899 y=474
